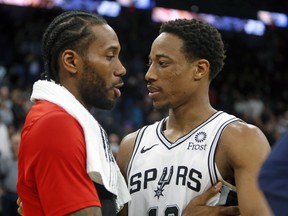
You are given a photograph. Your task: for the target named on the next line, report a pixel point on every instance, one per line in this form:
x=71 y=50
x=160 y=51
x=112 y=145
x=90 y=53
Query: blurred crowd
x=252 y=85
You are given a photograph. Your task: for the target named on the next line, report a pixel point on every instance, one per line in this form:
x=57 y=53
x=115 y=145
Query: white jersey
x=163 y=176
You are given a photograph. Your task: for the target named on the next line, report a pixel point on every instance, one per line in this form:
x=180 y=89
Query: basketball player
x=172 y=161
x=65 y=165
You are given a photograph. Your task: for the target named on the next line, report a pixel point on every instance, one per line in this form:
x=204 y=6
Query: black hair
x=69 y=30
x=200 y=40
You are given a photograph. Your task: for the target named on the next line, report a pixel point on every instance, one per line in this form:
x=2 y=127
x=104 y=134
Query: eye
x=162 y=63
x=110 y=57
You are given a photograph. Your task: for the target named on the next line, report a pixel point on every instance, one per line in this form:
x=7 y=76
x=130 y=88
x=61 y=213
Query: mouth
x=152 y=91
x=116 y=89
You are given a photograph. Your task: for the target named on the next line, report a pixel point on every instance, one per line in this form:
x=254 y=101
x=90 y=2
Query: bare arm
x=123 y=158
x=91 y=211
x=125 y=152
x=246 y=148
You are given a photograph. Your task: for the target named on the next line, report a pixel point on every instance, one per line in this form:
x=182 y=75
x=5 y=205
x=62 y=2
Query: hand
x=198 y=207
x=20 y=207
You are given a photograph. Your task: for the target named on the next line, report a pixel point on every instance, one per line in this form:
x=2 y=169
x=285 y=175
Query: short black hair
x=200 y=40
x=69 y=30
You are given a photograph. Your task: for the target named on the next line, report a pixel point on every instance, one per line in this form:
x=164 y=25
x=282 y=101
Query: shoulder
x=48 y=115
x=127 y=146
x=128 y=142
x=125 y=151
x=243 y=142
x=49 y=123
x=244 y=131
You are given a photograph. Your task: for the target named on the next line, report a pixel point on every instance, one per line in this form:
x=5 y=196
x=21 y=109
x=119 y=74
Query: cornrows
x=69 y=30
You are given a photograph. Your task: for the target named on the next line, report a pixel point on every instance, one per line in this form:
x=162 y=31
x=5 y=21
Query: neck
x=185 y=119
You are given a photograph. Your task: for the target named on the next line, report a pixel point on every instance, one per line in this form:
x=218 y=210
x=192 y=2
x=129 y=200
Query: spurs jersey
x=163 y=176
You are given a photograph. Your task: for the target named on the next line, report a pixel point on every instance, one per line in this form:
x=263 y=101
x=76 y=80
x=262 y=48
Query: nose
x=121 y=70
x=149 y=74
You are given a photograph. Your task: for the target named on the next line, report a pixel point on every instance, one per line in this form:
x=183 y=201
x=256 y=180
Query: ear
x=202 y=68
x=70 y=60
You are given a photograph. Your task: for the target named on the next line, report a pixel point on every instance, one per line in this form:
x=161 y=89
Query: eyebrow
x=160 y=56
x=115 y=48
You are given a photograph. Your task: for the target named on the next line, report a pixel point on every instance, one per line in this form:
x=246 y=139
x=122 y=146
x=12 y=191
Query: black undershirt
x=107 y=200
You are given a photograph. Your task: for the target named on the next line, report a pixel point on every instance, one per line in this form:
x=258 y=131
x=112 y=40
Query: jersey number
x=169 y=211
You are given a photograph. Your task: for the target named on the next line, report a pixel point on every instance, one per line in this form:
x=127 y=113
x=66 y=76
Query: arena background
x=252 y=85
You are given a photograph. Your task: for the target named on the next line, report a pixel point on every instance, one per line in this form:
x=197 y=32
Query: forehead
x=167 y=44
x=106 y=38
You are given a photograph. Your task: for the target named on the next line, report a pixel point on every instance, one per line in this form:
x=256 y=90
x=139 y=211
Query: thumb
x=18 y=201
x=203 y=198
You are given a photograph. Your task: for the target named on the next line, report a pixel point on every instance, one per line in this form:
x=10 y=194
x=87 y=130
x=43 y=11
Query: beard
x=93 y=89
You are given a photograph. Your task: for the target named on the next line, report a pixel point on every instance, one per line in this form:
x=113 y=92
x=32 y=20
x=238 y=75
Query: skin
x=94 y=79
x=242 y=147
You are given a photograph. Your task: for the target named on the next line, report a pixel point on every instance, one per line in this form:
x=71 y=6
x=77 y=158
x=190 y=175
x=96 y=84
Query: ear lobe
x=201 y=69
x=69 y=60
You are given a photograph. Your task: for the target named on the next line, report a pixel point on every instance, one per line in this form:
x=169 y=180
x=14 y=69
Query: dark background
x=255 y=72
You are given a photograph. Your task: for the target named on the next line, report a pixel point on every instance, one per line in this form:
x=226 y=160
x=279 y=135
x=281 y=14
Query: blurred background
x=252 y=85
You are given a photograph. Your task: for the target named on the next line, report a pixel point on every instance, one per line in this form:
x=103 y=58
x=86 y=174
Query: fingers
x=198 y=206
x=18 y=201
x=20 y=208
x=229 y=210
x=203 y=198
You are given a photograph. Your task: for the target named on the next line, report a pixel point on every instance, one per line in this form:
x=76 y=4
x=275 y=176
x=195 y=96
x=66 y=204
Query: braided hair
x=200 y=40
x=69 y=30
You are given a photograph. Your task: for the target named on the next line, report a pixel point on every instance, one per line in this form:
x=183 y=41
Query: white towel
x=101 y=166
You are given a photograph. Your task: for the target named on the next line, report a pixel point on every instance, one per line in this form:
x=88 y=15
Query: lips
x=152 y=90
x=116 y=89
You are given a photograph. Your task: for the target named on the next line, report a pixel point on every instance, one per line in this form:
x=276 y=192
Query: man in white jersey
x=169 y=163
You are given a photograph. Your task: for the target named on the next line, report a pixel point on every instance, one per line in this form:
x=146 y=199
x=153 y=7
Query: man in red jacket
x=82 y=70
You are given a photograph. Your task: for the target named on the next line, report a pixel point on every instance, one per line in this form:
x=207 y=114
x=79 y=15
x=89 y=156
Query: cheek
x=104 y=72
x=179 y=85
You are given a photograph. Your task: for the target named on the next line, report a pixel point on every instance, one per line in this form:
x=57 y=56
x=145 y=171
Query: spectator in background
x=18 y=108
x=5 y=151
x=6 y=104
x=3 y=72
x=281 y=126
x=9 y=174
x=256 y=107
x=114 y=141
x=33 y=72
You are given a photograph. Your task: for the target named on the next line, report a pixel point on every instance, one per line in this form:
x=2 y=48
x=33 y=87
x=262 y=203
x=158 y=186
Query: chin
x=158 y=107
x=109 y=106
x=105 y=105
x=161 y=106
